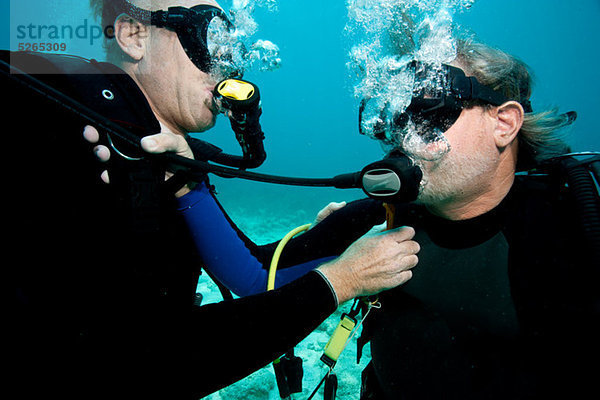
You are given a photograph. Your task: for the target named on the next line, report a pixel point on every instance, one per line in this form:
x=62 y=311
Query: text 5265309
x=35 y=46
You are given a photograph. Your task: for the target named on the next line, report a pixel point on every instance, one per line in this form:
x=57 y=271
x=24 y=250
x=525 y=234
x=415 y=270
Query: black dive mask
x=440 y=92
x=204 y=31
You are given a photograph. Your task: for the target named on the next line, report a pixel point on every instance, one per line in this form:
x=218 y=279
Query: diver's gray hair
x=106 y=12
x=540 y=137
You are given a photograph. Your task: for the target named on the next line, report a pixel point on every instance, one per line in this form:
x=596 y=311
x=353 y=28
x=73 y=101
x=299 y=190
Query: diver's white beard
x=453 y=178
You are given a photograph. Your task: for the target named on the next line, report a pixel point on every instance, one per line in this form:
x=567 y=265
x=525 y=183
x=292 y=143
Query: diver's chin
x=209 y=119
x=429 y=197
x=205 y=124
x=210 y=125
x=428 y=194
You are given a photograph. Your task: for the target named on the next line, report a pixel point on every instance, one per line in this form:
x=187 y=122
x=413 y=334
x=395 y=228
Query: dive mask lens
x=418 y=127
x=421 y=134
x=417 y=132
x=208 y=38
x=225 y=50
x=433 y=105
x=427 y=114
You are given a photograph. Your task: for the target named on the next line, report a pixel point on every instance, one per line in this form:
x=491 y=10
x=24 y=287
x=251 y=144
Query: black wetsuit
x=502 y=306
x=103 y=282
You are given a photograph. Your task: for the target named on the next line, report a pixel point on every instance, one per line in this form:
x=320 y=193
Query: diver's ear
x=131 y=36
x=509 y=119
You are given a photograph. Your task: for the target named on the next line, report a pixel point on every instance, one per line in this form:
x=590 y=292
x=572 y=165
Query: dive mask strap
x=133 y=11
x=174 y=17
x=181 y=17
x=469 y=88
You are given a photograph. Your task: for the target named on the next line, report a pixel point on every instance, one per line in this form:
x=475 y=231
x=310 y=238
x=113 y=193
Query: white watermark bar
x=70 y=27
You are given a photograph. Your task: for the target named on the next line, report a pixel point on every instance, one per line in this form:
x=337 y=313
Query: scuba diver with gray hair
x=504 y=304
x=104 y=306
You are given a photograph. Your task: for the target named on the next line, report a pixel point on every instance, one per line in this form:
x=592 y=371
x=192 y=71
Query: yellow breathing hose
x=277 y=254
x=346 y=327
x=275 y=259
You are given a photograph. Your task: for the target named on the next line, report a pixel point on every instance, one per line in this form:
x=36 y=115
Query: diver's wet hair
x=106 y=11
x=540 y=137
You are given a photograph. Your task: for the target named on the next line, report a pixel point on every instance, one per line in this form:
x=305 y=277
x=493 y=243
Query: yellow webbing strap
x=337 y=341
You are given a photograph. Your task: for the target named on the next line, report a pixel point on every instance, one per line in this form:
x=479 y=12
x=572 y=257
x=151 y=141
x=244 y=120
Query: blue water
x=310 y=113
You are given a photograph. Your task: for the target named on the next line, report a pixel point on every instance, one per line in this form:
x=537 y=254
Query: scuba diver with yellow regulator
x=245 y=123
x=127 y=280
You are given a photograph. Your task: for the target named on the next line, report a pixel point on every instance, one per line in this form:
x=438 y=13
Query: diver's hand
x=155 y=144
x=102 y=153
x=327 y=211
x=376 y=262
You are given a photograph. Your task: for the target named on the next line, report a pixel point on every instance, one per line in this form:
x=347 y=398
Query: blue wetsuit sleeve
x=226 y=252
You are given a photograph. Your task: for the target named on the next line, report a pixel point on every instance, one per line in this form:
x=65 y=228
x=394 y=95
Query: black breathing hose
x=584 y=189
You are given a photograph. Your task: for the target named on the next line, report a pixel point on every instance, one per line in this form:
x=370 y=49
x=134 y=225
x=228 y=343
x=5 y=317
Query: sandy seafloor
x=262 y=384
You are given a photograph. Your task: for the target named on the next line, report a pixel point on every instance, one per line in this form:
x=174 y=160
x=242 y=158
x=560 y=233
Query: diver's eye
x=444 y=120
x=401 y=120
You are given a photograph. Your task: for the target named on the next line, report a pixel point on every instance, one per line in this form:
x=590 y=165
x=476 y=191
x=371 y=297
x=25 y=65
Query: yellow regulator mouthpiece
x=338 y=340
x=236 y=89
